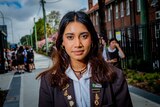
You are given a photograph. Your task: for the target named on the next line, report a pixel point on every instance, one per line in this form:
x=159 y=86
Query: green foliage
x=52 y=22
x=147 y=81
x=139 y=64
x=25 y=40
x=54 y=19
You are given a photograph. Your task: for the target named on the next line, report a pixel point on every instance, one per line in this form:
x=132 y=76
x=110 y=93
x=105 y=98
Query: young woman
x=80 y=77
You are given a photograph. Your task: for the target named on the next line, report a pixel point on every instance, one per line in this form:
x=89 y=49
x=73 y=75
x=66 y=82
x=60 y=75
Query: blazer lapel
x=96 y=94
x=69 y=94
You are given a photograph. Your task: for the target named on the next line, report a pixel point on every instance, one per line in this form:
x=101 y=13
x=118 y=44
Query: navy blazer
x=114 y=94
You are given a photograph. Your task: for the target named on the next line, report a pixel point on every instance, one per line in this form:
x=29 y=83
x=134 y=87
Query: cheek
x=88 y=44
x=112 y=44
x=67 y=46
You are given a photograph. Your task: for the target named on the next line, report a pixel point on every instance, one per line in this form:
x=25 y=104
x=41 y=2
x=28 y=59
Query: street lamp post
x=35 y=34
x=31 y=38
x=2 y=17
x=12 y=29
x=44 y=17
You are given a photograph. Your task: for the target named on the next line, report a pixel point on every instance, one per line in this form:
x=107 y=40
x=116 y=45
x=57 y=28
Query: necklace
x=80 y=73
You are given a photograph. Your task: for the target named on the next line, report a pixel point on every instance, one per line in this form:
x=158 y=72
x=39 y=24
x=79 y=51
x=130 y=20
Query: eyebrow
x=80 y=33
x=69 y=34
x=84 y=33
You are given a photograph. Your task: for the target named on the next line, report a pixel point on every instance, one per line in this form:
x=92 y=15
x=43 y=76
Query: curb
x=145 y=94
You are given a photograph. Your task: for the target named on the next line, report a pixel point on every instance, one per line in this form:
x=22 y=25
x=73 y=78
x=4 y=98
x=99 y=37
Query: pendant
x=96 y=99
x=69 y=97
x=71 y=103
x=65 y=93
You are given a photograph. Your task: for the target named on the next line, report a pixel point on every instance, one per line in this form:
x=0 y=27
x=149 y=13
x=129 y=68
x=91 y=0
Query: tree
x=25 y=40
x=54 y=19
x=52 y=23
x=51 y=28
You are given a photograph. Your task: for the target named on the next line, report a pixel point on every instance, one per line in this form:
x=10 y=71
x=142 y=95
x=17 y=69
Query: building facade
x=136 y=24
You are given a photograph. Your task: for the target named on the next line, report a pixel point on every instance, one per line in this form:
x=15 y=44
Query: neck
x=78 y=66
x=112 y=48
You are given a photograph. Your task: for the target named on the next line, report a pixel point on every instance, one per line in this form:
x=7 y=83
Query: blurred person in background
x=113 y=53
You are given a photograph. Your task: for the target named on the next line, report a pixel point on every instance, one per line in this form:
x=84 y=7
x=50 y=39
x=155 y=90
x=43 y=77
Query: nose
x=78 y=42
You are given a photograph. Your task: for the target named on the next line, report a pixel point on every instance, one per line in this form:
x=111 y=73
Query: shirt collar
x=70 y=73
x=110 y=50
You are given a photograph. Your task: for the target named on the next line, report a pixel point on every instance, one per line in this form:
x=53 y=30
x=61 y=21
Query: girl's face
x=113 y=44
x=76 y=41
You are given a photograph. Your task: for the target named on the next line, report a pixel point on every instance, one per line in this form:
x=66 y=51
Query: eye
x=70 y=37
x=84 y=36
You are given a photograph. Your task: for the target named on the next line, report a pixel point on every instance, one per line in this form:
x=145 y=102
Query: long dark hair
x=101 y=72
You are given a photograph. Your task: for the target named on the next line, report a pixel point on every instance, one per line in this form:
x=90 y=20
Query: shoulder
x=119 y=78
x=45 y=79
x=45 y=76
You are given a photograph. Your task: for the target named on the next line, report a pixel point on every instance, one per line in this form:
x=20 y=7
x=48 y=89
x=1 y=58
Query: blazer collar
x=69 y=95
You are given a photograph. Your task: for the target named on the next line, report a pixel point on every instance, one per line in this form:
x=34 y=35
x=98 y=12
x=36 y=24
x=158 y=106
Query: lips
x=78 y=52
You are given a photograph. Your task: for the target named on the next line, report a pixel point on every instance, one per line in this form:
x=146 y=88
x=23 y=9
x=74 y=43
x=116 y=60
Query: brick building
x=136 y=24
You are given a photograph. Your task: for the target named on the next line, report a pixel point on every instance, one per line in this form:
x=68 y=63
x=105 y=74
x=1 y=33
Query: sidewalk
x=24 y=88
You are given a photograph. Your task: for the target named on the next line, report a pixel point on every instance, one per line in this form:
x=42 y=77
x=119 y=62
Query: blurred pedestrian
x=14 y=61
x=80 y=77
x=20 y=59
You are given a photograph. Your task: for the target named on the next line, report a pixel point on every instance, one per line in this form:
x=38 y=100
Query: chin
x=79 y=58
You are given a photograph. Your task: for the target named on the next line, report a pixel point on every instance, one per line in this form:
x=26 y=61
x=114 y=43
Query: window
x=109 y=13
x=157 y=30
x=94 y=2
x=110 y=35
x=157 y=14
x=97 y=18
x=129 y=36
x=127 y=7
x=116 y=11
x=122 y=9
x=93 y=19
x=105 y=15
x=140 y=36
x=138 y=6
x=140 y=33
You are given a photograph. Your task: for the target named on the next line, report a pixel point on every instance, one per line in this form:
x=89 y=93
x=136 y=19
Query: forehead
x=75 y=25
x=113 y=41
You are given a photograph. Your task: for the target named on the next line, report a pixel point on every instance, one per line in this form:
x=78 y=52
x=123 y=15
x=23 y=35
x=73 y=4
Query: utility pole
x=2 y=17
x=31 y=38
x=35 y=34
x=44 y=18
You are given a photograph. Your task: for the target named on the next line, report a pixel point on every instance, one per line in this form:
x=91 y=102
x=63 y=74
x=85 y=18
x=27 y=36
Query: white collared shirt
x=109 y=50
x=81 y=86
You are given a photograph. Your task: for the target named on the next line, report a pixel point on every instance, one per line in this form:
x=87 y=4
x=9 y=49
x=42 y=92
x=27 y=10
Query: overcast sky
x=19 y=14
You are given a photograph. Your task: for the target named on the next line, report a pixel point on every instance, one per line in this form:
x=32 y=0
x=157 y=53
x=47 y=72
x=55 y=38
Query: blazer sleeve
x=121 y=92
x=45 y=94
